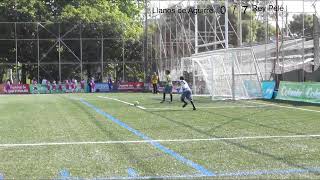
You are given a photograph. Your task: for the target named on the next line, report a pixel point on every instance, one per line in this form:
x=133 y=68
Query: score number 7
x=244 y=11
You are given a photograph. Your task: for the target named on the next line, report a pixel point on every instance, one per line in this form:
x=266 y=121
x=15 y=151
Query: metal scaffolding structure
x=180 y=35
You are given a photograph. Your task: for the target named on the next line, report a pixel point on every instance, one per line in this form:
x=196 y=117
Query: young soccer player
x=92 y=85
x=67 y=86
x=168 y=86
x=186 y=93
x=110 y=83
x=7 y=87
x=54 y=86
x=60 y=87
x=35 y=86
x=48 y=86
x=82 y=85
x=74 y=85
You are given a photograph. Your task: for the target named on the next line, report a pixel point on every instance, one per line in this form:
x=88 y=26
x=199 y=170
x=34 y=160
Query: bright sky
x=294 y=6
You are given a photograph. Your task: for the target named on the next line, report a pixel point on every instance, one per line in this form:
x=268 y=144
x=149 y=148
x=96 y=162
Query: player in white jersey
x=186 y=93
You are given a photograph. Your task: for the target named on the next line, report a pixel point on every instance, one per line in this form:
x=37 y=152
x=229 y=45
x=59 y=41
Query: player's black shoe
x=184 y=105
x=194 y=109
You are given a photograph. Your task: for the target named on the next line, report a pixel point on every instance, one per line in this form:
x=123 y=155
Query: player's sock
x=194 y=108
x=185 y=103
x=171 y=97
x=164 y=98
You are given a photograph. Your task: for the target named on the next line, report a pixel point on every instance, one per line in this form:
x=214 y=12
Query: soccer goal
x=224 y=74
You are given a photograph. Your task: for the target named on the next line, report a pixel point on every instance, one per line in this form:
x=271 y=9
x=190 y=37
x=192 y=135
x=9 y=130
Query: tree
x=117 y=18
x=296 y=25
x=261 y=30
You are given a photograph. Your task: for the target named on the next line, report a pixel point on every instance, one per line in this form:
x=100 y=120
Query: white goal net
x=224 y=74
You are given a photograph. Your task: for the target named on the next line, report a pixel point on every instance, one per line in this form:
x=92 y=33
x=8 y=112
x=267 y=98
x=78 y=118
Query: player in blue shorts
x=168 y=86
x=186 y=93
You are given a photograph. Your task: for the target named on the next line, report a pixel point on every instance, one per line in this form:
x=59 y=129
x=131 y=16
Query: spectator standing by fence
x=110 y=83
x=155 y=80
x=92 y=85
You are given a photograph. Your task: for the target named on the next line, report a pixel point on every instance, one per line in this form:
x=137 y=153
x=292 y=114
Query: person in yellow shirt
x=154 y=80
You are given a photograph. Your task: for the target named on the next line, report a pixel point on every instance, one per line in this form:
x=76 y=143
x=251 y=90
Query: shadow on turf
x=109 y=133
x=242 y=119
x=247 y=148
x=196 y=98
x=232 y=119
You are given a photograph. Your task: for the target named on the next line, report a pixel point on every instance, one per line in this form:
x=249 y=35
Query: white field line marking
x=161 y=140
x=130 y=104
x=210 y=107
x=289 y=107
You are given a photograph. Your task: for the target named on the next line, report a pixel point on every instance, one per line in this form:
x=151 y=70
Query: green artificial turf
x=33 y=119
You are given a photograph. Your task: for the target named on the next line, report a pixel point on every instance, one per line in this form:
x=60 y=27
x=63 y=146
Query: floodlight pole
x=59 y=52
x=145 y=44
x=123 y=60
x=303 y=39
x=196 y=29
x=38 y=53
x=16 y=44
x=240 y=24
x=16 y=40
x=277 y=45
x=316 y=41
x=226 y=35
x=81 y=61
x=196 y=47
x=266 y=38
x=102 y=47
x=226 y=19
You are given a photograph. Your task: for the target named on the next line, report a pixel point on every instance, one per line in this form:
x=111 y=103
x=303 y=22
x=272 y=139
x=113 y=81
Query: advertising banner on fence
x=131 y=86
x=175 y=88
x=15 y=89
x=102 y=87
x=304 y=92
x=59 y=88
x=268 y=89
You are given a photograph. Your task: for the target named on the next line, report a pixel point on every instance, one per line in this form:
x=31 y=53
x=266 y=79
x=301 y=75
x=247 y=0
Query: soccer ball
x=136 y=103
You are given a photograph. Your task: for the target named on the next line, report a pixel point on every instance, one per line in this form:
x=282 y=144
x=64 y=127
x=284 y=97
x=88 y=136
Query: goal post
x=224 y=74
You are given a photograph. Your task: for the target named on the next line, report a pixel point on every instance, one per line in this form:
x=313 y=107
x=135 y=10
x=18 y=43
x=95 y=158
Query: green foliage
x=261 y=30
x=116 y=19
x=123 y=20
x=296 y=25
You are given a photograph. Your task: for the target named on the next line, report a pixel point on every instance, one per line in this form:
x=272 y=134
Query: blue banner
x=268 y=89
x=102 y=87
